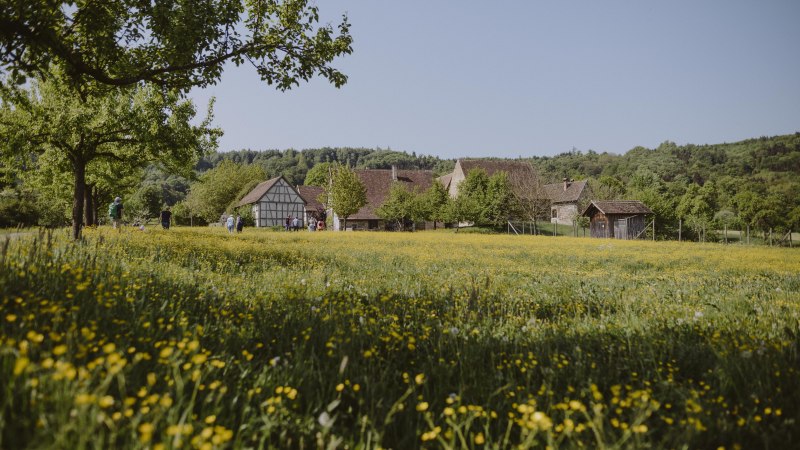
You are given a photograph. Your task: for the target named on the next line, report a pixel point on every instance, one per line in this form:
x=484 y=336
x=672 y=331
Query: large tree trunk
x=79 y=172
x=88 y=212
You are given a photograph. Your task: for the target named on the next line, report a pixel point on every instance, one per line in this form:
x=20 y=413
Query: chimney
x=394 y=172
x=566 y=183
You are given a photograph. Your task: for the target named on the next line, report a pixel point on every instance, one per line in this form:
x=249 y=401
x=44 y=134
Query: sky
x=531 y=78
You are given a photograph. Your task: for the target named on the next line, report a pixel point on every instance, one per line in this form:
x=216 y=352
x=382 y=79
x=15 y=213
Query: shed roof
x=626 y=207
x=258 y=192
x=557 y=194
x=378 y=183
x=310 y=194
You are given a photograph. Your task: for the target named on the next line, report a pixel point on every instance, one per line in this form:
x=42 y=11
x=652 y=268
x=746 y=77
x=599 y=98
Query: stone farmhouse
x=463 y=166
x=564 y=198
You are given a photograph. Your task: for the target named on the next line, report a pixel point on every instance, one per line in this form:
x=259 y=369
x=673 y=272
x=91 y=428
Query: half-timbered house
x=273 y=201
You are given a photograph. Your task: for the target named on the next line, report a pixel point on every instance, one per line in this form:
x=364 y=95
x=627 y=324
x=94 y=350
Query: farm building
x=618 y=219
x=491 y=166
x=378 y=183
x=274 y=200
x=310 y=195
x=564 y=198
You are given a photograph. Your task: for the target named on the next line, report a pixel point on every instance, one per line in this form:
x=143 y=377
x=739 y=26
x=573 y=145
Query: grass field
x=193 y=338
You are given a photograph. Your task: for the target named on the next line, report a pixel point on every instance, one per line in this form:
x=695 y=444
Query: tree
x=528 y=192
x=176 y=45
x=220 y=188
x=607 y=188
x=318 y=175
x=499 y=201
x=470 y=203
x=345 y=193
x=433 y=203
x=72 y=129
x=697 y=206
x=400 y=207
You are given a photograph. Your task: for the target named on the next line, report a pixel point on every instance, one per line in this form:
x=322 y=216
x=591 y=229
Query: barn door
x=621 y=228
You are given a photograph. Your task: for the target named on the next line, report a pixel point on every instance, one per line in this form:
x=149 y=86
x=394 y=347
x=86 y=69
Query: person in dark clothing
x=115 y=212
x=239 y=224
x=166 y=218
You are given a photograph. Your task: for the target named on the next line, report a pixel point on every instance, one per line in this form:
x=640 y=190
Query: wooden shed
x=617 y=219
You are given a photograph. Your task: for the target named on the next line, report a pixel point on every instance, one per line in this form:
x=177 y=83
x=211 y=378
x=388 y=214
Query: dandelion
x=20 y=365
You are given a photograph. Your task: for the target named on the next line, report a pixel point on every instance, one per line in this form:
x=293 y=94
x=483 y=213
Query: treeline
x=749 y=184
x=44 y=198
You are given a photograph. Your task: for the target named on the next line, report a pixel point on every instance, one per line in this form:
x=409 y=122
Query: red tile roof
x=557 y=194
x=310 y=195
x=258 y=192
x=379 y=182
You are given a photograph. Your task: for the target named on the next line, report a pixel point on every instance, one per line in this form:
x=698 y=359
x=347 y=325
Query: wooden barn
x=273 y=201
x=617 y=219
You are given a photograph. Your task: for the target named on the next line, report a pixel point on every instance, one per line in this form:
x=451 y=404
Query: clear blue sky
x=523 y=78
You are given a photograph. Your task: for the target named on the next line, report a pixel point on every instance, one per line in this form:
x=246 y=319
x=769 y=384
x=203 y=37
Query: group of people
x=115 y=215
x=230 y=223
x=294 y=224
x=291 y=223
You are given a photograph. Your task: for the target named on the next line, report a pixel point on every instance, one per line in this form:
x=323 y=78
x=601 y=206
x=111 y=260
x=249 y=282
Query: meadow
x=192 y=338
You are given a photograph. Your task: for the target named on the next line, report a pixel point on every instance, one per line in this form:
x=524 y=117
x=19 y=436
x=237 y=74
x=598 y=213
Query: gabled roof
x=310 y=195
x=379 y=182
x=628 y=207
x=258 y=192
x=557 y=194
x=493 y=165
x=445 y=180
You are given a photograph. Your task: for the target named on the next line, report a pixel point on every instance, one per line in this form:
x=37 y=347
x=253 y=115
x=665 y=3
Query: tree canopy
x=59 y=128
x=177 y=44
x=346 y=193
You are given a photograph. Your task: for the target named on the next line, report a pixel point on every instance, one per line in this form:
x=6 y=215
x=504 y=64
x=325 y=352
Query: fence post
x=654 y=228
x=680 y=227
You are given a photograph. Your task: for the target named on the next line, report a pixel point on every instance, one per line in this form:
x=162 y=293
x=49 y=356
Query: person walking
x=288 y=222
x=295 y=224
x=115 y=212
x=239 y=223
x=229 y=224
x=166 y=218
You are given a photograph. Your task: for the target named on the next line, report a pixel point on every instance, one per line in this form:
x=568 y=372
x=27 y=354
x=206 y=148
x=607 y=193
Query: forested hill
x=294 y=164
x=761 y=158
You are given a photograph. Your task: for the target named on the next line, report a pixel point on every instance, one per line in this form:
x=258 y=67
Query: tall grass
x=198 y=339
